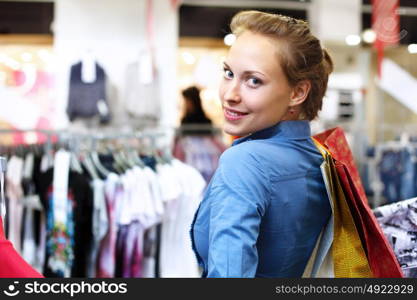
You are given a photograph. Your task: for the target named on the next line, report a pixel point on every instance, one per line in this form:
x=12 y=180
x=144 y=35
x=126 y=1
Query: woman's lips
x=233 y=115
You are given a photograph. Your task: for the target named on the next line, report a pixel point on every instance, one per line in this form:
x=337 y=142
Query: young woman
x=266 y=204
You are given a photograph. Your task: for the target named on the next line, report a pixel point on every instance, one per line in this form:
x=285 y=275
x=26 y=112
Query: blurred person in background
x=194 y=112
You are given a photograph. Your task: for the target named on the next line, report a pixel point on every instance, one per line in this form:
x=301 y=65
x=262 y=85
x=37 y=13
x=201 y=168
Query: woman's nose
x=232 y=92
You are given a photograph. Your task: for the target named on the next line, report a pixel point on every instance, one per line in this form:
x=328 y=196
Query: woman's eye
x=254 y=82
x=228 y=74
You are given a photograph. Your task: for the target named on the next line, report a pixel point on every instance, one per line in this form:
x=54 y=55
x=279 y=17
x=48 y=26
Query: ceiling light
x=27 y=57
x=188 y=58
x=44 y=54
x=229 y=39
x=412 y=48
x=353 y=40
x=369 y=36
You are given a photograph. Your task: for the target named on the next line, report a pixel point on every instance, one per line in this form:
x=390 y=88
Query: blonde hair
x=301 y=55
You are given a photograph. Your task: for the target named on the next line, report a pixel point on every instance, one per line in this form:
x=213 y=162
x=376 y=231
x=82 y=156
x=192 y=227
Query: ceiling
x=198 y=18
x=194 y=15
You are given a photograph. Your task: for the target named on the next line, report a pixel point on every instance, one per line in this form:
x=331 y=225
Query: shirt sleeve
x=238 y=199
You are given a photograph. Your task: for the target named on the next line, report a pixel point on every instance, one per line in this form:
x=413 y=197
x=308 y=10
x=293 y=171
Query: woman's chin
x=228 y=129
x=232 y=130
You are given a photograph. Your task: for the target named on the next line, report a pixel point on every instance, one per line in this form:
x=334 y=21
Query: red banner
x=386 y=25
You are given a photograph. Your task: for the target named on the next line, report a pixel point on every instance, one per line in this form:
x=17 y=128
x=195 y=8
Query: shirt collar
x=283 y=129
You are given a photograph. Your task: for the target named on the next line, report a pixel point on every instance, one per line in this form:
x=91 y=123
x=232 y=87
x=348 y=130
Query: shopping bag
x=344 y=252
x=380 y=255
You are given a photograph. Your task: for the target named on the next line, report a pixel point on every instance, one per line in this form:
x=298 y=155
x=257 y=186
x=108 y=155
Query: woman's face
x=255 y=93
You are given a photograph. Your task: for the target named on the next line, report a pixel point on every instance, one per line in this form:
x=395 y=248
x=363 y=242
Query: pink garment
x=106 y=262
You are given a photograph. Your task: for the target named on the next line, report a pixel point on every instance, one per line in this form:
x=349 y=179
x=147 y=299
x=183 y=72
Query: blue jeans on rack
x=391 y=169
x=398 y=174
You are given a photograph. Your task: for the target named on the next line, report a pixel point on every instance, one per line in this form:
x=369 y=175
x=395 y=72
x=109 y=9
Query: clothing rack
x=80 y=143
x=197 y=129
x=100 y=135
x=395 y=145
x=67 y=135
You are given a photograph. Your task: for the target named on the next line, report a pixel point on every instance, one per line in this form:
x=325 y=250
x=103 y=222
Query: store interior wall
x=115 y=32
x=392 y=117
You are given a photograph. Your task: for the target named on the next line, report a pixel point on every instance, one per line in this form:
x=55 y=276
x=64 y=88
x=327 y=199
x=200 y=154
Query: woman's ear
x=300 y=92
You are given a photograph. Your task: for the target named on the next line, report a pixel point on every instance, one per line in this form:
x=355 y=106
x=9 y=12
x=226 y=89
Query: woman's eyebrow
x=247 y=72
x=226 y=65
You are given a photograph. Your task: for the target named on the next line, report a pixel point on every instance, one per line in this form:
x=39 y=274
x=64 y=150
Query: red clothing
x=12 y=265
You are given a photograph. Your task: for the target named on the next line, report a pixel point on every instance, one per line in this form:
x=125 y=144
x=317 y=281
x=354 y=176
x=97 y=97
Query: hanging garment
x=74 y=237
x=149 y=216
x=79 y=186
x=397 y=173
x=100 y=224
x=120 y=249
x=391 y=169
x=399 y=223
x=142 y=100
x=176 y=256
x=170 y=190
x=149 y=253
x=60 y=241
x=379 y=253
x=106 y=261
x=129 y=243
x=14 y=193
x=32 y=214
x=87 y=99
x=132 y=256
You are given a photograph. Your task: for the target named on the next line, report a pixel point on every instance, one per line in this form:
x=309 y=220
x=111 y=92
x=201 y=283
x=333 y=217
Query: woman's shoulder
x=244 y=152
x=244 y=158
x=258 y=151
x=240 y=169
x=275 y=158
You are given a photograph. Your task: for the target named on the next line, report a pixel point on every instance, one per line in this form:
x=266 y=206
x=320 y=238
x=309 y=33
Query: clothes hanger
x=48 y=152
x=126 y=159
x=89 y=166
x=167 y=155
x=134 y=156
x=75 y=164
x=131 y=159
x=96 y=161
x=155 y=152
x=97 y=164
x=118 y=164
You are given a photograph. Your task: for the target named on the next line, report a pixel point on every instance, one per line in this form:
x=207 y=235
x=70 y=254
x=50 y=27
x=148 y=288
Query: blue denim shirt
x=265 y=206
